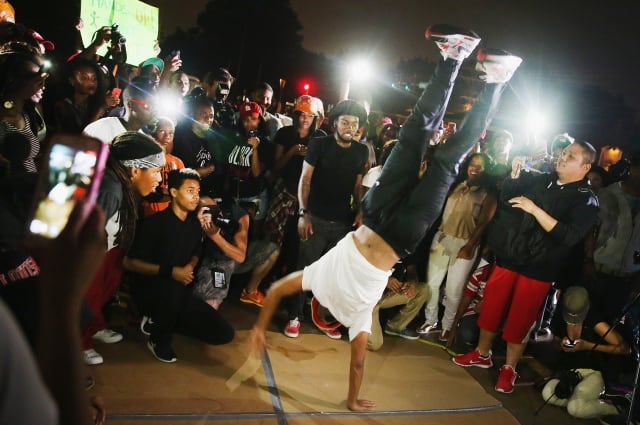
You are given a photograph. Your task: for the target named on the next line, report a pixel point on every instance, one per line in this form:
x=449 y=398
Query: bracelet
x=165 y=270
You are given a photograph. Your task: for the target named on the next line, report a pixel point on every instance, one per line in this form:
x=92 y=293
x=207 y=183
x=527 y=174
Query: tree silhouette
x=257 y=40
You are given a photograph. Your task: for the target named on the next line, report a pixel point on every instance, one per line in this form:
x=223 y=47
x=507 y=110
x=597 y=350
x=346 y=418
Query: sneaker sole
x=336 y=337
x=481 y=366
x=290 y=335
x=321 y=324
x=432 y=33
x=145 y=320
x=247 y=301
x=500 y=390
x=411 y=338
x=162 y=360
x=109 y=340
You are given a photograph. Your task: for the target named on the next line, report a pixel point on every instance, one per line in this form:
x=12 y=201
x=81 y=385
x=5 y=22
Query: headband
x=151 y=161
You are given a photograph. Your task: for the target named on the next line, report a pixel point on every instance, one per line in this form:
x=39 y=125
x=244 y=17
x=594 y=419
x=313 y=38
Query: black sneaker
x=162 y=353
x=145 y=325
x=405 y=333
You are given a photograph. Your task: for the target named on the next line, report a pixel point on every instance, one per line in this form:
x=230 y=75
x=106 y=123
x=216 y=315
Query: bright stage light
x=359 y=70
x=536 y=122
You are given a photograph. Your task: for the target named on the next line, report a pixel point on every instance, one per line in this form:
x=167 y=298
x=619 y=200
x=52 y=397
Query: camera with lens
x=226 y=225
x=116 y=36
x=222 y=91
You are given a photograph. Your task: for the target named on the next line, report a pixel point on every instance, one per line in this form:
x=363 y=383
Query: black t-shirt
x=287 y=137
x=194 y=153
x=241 y=182
x=334 y=177
x=164 y=239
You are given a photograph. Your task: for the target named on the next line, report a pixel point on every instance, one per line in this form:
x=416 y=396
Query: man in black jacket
x=539 y=219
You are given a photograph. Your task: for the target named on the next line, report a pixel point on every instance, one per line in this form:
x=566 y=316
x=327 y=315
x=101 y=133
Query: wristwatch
x=302 y=212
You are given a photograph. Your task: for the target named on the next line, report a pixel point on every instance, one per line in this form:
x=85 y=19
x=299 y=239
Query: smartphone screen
x=68 y=177
x=115 y=92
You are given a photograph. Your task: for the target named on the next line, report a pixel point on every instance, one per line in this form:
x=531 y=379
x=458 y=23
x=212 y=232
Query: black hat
x=348 y=107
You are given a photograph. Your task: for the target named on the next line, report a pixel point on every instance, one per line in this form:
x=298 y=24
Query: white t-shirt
x=24 y=399
x=347 y=284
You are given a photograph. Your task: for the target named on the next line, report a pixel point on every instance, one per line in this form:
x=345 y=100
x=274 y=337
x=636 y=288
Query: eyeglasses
x=140 y=103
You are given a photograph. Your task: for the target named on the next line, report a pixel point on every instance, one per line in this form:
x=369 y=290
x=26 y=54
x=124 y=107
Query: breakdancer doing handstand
x=401 y=206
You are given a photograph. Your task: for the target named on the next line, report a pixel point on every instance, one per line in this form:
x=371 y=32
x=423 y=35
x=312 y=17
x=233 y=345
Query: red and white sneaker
x=333 y=334
x=454 y=42
x=496 y=65
x=506 y=379
x=324 y=323
x=473 y=358
x=292 y=330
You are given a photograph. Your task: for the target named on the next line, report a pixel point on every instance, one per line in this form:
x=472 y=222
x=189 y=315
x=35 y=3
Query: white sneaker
x=454 y=42
x=496 y=66
x=108 y=336
x=92 y=357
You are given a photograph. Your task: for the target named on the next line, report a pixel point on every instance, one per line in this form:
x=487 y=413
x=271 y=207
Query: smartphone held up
x=71 y=173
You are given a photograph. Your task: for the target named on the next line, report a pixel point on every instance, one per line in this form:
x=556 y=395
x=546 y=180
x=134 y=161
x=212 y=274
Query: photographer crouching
x=226 y=225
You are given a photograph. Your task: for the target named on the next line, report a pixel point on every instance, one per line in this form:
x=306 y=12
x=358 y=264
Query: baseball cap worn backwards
x=575 y=305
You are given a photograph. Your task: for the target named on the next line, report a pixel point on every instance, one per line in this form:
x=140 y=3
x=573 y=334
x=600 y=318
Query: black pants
x=400 y=207
x=174 y=309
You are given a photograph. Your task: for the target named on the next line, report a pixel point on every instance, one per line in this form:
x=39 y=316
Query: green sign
x=137 y=22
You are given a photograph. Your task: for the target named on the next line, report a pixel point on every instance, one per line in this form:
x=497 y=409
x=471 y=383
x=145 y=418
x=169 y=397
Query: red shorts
x=514 y=299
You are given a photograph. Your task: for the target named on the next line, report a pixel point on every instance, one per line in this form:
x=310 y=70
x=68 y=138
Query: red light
x=305 y=85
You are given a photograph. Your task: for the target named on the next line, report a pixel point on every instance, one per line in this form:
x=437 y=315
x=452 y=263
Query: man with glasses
x=138 y=112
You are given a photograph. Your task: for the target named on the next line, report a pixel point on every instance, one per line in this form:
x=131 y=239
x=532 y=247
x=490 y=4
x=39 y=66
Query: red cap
x=40 y=39
x=250 y=109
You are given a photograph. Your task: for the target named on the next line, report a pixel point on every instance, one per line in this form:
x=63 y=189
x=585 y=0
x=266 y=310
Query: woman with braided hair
x=132 y=172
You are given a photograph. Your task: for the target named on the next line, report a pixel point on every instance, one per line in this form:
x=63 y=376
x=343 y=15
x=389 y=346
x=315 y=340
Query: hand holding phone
x=570 y=344
x=115 y=92
x=71 y=175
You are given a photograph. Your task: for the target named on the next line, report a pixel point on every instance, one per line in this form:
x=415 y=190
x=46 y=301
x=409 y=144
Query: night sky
x=588 y=41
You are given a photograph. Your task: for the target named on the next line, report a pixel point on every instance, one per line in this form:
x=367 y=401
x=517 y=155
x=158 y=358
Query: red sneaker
x=473 y=358
x=255 y=297
x=292 y=330
x=506 y=379
x=333 y=334
x=321 y=322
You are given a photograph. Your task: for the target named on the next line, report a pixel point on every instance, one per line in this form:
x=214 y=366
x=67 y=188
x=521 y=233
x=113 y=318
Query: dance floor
x=304 y=381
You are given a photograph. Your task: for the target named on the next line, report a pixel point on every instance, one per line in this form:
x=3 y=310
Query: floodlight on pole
x=359 y=70
x=536 y=125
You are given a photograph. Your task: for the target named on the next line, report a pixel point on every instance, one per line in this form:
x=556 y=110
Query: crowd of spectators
x=195 y=194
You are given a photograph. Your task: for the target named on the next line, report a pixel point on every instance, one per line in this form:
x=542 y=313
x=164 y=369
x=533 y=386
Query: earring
x=8 y=104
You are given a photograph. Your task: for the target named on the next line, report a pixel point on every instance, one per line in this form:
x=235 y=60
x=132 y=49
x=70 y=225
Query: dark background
x=580 y=68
